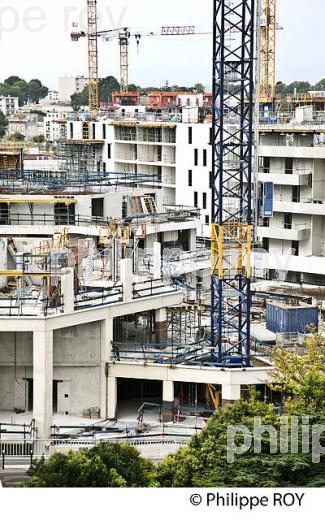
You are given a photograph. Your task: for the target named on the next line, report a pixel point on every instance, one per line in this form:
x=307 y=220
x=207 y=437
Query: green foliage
x=105 y=90
x=199 y=88
x=39 y=139
x=203 y=463
x=106 y=465
x=320 y=85
x=14 y=86
x=3 y=124
x=300 y=374
x=17 y=137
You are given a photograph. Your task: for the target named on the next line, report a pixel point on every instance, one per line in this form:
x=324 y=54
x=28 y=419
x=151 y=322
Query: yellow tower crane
x=267 y=58
x=92 y=57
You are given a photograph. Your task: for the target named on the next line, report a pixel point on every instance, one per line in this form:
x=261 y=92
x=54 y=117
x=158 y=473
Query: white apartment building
x=9 y=105
x=291 y=176
x=69 y=85
x=178 y=152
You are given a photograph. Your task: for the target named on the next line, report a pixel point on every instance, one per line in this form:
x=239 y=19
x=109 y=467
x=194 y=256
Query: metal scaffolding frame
x=233 y=50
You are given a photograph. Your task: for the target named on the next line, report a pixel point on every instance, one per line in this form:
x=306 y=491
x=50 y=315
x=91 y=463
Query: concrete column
x=230 y=393
x=160 y=325
x=67 y=289
x=43 y=382
x=157 y=260
x=127 y=279
x=106 y=338
x=111 y=397
x=192 y=239
x=168 y=401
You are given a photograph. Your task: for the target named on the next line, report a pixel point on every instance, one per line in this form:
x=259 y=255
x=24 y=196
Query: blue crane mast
x=232 y=145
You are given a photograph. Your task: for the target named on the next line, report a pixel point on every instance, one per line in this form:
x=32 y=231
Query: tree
x=106 y=88
x=203 y=463
x=3 y=124
x=300 y=374
x=199 y=88
x=105 y=465
x=320 y=85
x=301 y=87
x=17 y=137
x=39 y=139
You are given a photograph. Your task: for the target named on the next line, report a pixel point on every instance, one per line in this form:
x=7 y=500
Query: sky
x=35 y=40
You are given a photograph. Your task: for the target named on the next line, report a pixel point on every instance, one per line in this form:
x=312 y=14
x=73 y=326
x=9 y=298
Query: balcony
x=296 y=232
x=302 y=264
x=305 y=206
x=295 y=151
x=145 y=159
x=280 y=177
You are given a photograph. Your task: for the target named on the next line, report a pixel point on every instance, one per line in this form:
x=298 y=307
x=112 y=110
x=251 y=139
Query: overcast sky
x=35 y=40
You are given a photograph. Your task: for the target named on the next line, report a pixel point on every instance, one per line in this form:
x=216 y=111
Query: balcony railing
x=30 y=306
x=91 y=297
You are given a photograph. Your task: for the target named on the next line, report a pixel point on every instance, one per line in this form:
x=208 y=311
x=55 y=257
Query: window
x=204 y=200
x=109 y=151
x=265 y=164
x=211 y=135
x=104 y=131
x=210 y=180
x=190 y=135
x=196 y=157
x=288 y=221
x=195 y=199
x=266 y=244
x=104 y=167
x=288 y=165
x=71 y=130
x=295 y=247
x=295 y=193
x=94 y=130
x=207 y=220
x=190 y=178
x=204 y=157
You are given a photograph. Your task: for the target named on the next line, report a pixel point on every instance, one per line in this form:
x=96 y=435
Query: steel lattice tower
x=267 y=66
x=233 y=84
x=92 y=57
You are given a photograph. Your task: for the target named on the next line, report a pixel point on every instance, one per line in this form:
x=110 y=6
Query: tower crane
x=232 y=146
x=123 y=35
x=267 y=52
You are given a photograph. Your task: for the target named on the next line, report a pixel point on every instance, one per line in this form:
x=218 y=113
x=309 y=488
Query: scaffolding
x=82 y=156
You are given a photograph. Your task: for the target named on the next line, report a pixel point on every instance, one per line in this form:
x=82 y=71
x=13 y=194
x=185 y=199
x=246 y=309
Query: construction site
x=133 y=304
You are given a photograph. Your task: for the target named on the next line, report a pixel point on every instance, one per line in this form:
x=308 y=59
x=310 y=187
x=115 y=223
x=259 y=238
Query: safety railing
x=40 y=181
x=97 y=297
x=151 y=287
x=56 y=219
x=160 y=353
x=30 y=306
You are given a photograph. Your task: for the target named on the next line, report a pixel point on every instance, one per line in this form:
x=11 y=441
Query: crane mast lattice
x=233 y=49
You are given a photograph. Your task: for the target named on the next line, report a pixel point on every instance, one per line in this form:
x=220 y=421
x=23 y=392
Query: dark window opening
x=204 y=157
x=190 y=135
x=196 y=157
x=288 y=165
x=204 y=200
x=195 y=199
x=295 y=247
x=97 y=207
x=288 y=221
x=190 y=178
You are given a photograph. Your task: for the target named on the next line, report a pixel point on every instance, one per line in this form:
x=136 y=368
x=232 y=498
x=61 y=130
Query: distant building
x=69 y=85
x=9 y=105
